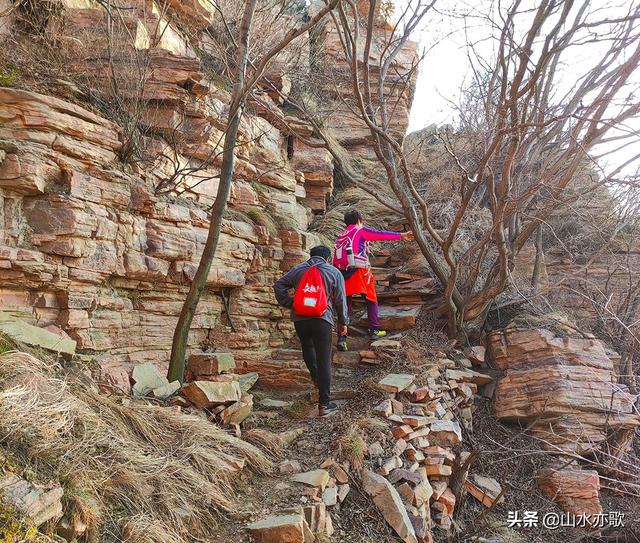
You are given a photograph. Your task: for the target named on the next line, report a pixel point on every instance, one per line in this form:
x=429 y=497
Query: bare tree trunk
x=539 y=262
x=181 y=334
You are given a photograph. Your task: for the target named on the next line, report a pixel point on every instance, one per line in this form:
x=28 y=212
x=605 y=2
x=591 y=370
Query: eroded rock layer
x=565 y=387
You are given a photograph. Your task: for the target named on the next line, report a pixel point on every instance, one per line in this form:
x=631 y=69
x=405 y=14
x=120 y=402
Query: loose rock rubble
x=210 y=385
x=410 y=484
x=39 y=504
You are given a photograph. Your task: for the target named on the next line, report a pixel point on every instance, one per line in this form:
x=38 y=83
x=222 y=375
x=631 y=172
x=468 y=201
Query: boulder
x=566 y=387
x=388 y=501
x=575 y=490
x=146 y=378
x=38 y=504
x=206 y=394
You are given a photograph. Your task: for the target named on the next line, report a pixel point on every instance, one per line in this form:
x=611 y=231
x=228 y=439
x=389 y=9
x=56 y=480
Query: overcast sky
x=446 y=67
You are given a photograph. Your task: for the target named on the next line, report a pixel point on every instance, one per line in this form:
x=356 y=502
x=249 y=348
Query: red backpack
x=310 y=298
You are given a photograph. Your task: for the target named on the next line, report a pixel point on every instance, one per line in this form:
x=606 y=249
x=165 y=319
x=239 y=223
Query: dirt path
x=341 y=437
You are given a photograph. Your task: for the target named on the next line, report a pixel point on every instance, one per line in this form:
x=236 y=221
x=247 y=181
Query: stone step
x=335 y=395
x=396 y=318
x=349 y=358
x=287 y=354
x=355 y=343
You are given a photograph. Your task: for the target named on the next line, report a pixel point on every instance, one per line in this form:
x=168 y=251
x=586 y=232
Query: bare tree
x=243 y=86
x=535 y=129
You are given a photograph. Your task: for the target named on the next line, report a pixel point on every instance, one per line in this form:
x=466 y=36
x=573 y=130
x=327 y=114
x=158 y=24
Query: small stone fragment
x=146 y=378
x=388 y=501
x=330 y=496
x=277 y=529
x=166 y=391
x=316 y=478
x=396 y=382
x=38 y=504
x=289 y=467
x=445 y=433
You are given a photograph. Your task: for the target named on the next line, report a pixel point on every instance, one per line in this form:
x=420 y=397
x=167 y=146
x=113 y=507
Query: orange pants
x=362 y=282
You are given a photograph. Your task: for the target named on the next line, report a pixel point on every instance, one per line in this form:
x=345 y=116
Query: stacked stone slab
x=212 y=385
x=566 y=387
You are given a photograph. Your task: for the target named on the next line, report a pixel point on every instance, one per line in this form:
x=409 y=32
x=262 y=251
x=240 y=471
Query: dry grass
x=262 y=218
x=352 y=447
x=140 y=473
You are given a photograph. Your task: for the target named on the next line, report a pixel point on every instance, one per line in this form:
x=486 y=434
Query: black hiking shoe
x=327 y=409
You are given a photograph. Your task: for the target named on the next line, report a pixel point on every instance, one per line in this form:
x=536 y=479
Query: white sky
x=446 y=67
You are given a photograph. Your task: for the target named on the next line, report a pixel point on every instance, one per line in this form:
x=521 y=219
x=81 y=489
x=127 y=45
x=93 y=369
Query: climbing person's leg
x=322 y=344
x=304 y=329
x=373 y=314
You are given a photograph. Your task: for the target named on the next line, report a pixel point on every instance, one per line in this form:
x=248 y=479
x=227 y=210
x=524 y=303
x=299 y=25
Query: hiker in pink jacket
x=352 y=259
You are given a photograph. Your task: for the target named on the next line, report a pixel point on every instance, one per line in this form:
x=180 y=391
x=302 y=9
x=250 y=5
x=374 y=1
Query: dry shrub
x=136 y=472
x=269 y=441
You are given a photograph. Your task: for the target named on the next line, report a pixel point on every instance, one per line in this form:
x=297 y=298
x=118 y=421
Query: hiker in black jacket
x=315 y=332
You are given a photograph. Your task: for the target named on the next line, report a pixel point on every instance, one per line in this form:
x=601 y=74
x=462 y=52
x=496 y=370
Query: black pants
x=315 y=338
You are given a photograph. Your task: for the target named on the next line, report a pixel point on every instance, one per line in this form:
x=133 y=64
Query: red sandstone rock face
x=566 y=385
x=86 y=244
x=109 y=261
x=348 y=127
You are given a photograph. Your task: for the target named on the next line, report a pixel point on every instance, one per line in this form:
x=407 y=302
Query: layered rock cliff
x=102 y=242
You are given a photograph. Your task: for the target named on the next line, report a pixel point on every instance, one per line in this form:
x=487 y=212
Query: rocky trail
x=419 y=449
x=396 y=426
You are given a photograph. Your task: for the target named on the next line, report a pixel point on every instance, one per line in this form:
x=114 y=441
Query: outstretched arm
x=370 y=234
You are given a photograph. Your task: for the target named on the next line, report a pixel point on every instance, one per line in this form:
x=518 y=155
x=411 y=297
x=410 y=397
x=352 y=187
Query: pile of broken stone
x=409 y=479
x=322 y=489
x=210 y=385
x=408 y=472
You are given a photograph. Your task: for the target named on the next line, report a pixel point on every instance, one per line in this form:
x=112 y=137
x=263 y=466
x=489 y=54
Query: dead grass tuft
x=266 y=440
x=137 y=472
x=352 y=447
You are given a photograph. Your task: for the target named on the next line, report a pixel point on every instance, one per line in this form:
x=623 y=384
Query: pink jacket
x=356 y=239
